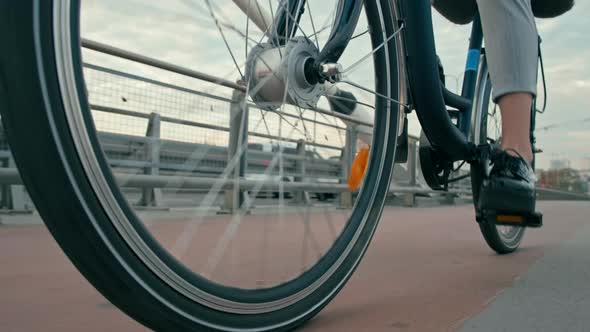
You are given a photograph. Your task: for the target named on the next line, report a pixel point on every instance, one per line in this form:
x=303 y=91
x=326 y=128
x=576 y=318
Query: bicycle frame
x=430 y=97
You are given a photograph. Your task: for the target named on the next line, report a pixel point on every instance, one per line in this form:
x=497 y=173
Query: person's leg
x=516 y=117
x=512 y=49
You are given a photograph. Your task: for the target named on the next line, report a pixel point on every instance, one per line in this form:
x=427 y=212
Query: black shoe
x=510 y=187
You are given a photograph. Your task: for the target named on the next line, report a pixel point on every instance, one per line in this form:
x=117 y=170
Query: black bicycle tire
x=68 y=204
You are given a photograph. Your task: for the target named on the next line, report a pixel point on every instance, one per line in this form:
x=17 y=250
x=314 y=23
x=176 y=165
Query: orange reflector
x=505 y=218
x=357 y=171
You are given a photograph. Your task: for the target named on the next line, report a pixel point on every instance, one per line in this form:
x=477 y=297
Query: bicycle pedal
x=531 y=220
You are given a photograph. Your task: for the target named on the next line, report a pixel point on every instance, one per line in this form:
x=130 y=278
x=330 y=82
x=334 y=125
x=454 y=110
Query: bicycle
x=48 y=116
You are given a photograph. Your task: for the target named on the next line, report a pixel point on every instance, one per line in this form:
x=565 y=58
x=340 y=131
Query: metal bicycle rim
x=74 y=113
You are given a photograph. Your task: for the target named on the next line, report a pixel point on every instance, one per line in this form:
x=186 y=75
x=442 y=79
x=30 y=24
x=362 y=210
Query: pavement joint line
x=480 y=308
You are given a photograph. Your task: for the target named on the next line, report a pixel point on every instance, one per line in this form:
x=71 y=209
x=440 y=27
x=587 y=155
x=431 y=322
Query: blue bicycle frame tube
x=426 y=87
x=470 y=76
x=347 y=17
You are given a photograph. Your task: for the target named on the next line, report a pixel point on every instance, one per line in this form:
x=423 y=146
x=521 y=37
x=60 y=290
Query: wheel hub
x=277 y=75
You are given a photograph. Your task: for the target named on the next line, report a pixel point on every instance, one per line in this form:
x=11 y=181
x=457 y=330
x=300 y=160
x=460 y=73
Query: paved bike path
x=553 y=296
x=428 y=269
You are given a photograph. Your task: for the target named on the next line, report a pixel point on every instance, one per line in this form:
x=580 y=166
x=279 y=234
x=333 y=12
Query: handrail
x=116 y=110
x=114 y=51
x=118 y=52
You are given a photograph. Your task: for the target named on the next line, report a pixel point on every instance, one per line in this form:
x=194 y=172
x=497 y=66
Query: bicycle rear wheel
x=268 y=264
x=488 y=130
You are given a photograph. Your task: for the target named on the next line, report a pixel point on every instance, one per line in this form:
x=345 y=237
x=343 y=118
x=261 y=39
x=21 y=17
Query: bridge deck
x=427 y=270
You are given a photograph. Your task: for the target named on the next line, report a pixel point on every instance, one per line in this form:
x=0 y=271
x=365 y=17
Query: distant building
x=559 y=164
x=585 y=174
x=584 y=164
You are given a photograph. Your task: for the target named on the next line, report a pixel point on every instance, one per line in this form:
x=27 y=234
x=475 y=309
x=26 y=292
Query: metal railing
x=152 y=162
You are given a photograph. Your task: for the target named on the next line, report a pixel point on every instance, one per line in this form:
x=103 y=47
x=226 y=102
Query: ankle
x=526 y=152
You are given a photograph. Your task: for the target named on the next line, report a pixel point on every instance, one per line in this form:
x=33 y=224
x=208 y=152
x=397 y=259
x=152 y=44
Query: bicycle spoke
x=281 y=159
x=320 y=31
x=374 y=92
x=182 y=243
x=326 y=24
x=315 y=127
x=236 y=221
x=359 y=34
x=365 y=57
x=273 y=15
x=308 y=237
x=263 y=116
x=348 y=99
x=305 y=131
x=232 y=72
x=224 y=20
x=260 y=12
x=315 y=34
x=331 y=227
x=263 y=253
x=305 y=243
x=214 y=17
x=247 y=28
x=295 y=22
x=190 y=230
x=240 y=33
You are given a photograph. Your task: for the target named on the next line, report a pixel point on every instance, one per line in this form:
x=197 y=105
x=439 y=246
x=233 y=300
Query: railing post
x=301 y=196
x=346 y=158
x=412 y=166
x=5 y=203
x=13 y=196
x=448 y=198
x=238 y=140
x=152 y=196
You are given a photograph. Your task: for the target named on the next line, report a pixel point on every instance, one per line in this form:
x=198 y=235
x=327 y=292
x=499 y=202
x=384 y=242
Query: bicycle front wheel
x=193 y=196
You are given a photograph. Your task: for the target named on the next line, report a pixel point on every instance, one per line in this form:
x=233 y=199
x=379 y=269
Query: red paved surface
x=427 y=270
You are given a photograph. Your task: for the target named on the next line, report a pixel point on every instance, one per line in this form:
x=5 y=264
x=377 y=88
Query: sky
x=183 y=32
x=566 y=55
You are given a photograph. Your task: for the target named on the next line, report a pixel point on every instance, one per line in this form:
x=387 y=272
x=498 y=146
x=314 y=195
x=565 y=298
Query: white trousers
x=511 y=43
